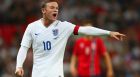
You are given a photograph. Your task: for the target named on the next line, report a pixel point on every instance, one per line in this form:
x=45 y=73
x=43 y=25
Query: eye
x=57 y=8
x=52 y=7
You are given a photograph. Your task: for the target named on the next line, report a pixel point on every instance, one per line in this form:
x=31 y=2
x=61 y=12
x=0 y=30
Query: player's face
x=50 y=11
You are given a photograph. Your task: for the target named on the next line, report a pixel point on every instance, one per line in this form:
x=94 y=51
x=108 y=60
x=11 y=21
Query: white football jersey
x=48 y=45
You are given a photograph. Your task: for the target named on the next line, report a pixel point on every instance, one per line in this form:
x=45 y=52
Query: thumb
x=116 y=37
x=22 y=73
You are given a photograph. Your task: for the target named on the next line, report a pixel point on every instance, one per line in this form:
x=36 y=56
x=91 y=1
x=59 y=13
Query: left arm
x=88 y=30
x=108 y=65
x=102 y=51
x=73 y=68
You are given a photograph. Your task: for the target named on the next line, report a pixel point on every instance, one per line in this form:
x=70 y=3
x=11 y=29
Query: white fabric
x=88 y=30
x=48 y=45
x=21 y=56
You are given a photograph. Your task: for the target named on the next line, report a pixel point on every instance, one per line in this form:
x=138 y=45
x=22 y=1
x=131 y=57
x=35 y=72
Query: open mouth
x=54 y=15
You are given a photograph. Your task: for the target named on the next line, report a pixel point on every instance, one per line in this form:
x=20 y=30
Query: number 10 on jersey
x=47 y=45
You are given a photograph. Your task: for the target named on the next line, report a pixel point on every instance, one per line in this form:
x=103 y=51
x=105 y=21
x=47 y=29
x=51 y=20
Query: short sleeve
x=27 y=39
x=101 y=46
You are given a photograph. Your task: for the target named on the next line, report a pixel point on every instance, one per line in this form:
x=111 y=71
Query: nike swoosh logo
x=56 y=37
x=36 y=33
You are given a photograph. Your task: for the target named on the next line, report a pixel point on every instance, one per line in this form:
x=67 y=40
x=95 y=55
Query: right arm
x=25 y=45
x=20 y=60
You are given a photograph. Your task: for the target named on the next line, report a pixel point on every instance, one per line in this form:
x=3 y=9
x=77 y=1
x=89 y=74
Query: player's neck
x=46 y=22
x=88 y=37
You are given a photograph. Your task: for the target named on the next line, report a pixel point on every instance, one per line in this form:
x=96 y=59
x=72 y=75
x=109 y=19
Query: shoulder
x=99 y=40
x=33 y=24
x=66 y=23
x=80 y=39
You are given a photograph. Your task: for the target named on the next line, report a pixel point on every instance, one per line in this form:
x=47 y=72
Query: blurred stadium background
x=117 y=15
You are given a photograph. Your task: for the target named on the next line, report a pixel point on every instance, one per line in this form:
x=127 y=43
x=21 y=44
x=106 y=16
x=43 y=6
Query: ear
x=43 y=10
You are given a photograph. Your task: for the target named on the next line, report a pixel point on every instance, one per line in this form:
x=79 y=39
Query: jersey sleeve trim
x=75 y=32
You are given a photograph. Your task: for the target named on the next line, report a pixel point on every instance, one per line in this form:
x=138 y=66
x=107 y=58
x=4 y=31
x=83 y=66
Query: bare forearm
x=73 y=69
x=108 y=62
x=73 y=61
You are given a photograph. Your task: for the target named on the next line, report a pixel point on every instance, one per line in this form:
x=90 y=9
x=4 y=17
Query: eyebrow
x=53 y=6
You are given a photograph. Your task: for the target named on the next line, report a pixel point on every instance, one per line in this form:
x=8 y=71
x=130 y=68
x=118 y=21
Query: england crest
x=55 y=32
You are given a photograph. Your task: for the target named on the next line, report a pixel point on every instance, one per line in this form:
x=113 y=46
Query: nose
x=56 y=10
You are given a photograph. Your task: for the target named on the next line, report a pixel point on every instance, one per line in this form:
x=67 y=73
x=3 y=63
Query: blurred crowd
x=116 y=15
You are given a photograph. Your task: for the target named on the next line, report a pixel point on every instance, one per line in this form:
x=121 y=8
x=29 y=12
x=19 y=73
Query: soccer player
x=86 y=57
x=48 y=37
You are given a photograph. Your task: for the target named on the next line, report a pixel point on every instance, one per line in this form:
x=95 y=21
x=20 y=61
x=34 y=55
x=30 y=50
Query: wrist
x=19 y=68
x=109 y=32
